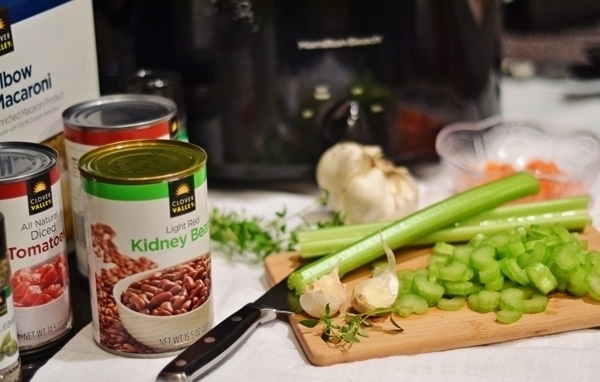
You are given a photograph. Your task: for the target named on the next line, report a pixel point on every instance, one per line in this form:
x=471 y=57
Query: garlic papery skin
x=327 y=290
x=363 y=186
x=379 y=291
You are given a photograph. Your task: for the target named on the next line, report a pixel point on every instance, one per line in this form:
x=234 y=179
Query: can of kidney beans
x=148 y=243
x=31 y=199
x=110 y=119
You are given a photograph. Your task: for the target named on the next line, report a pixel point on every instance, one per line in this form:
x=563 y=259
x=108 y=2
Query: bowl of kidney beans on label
x=161 y=308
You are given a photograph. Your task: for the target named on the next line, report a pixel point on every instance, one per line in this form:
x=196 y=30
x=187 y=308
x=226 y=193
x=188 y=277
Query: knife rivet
x=236 y=318
x=181 y=362
x=210 y=340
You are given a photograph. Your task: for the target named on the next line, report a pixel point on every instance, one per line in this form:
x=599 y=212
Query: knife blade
x=214 y=347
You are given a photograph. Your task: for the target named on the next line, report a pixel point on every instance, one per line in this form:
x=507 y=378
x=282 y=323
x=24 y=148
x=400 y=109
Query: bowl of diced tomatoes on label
x=565 y=161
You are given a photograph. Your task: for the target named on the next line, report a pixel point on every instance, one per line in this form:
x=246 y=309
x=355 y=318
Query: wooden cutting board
x=437 y=330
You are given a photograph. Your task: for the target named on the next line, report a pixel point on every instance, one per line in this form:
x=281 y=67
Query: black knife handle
x=212 y=348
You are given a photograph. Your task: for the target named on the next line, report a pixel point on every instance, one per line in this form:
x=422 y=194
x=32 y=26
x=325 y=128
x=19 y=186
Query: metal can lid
x=20 y=161
x=119 y=111
x=142 y=161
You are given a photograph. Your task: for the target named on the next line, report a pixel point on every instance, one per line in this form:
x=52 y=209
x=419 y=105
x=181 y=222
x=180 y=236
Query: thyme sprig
x=252 y=238
x=351 y=328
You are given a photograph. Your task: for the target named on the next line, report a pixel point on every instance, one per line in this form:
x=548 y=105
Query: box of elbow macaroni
x=48 y=62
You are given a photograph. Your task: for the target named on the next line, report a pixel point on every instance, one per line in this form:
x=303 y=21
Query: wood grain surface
x=437 y=330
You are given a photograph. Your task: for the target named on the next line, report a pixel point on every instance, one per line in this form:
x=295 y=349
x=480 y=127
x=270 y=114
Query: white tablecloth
x=272 y=352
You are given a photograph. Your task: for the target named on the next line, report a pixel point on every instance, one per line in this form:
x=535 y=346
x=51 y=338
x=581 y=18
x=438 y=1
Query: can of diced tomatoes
x=110 y=119
x=148 y=243
x=31 y=199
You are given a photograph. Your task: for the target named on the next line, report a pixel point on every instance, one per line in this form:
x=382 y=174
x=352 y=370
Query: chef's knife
x=221 y=341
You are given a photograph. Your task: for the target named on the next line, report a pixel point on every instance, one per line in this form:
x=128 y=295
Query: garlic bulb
x=363 y=186
x=327 y=290
x=379 y=291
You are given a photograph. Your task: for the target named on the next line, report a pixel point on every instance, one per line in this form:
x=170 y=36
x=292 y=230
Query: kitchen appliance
x=270 y=84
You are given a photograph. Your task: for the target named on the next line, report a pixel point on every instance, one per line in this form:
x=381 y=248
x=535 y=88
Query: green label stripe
x=134 y=192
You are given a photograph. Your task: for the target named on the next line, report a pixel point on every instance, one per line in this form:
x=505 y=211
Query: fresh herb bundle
x=251 y=238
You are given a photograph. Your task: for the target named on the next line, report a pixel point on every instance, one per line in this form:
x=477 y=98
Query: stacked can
x=31 y=199
x=106 y=120
x=10 y=361
x=147 y=232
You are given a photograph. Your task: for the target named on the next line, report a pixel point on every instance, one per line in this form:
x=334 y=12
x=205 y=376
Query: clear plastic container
x=566 y=161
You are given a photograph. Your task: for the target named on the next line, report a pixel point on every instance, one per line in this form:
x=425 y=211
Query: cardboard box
x=48 y=62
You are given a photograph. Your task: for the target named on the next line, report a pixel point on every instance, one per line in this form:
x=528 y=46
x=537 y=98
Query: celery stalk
x=417 y=225
x=573 y=221
x=332 y=239
x=537 y=208
x=501 y=213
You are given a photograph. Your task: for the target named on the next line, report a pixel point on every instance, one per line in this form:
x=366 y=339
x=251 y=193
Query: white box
x=47 y=63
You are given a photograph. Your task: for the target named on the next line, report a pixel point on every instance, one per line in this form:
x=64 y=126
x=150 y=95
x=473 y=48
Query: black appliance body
x=271 y=84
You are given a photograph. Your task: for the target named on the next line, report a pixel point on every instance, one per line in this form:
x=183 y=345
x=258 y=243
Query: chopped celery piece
x=498 y=240
x=483 y=256
x=495 y=284
x=536 y=303
x=430 y=291
x=513 y=248
x=538 y=254
x=541 y=277
x=436 y=260
x=577 y=284
x=594 y=286
x=510 y=267
x=563 y=233
x=490 y=272
x=460 y=288
x=451 y=304
x=462 y=253
x=442 y=248
x=567 y=258
x=592 y=262
x=455 y=271
x=405 y=278
x=410 y=303
x=511 y=299
x=432 y=274
x=508 y=316
x=485 y=301
x=489 y=299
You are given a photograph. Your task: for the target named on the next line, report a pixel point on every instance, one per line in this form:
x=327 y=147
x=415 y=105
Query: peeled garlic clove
x=379 y=291
x=327 y=290
x=371 y=294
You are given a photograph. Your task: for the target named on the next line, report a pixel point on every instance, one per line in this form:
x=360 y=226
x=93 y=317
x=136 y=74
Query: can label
x=150 y=265
x=8 y=330
x=37 y=252
x=142 y=117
